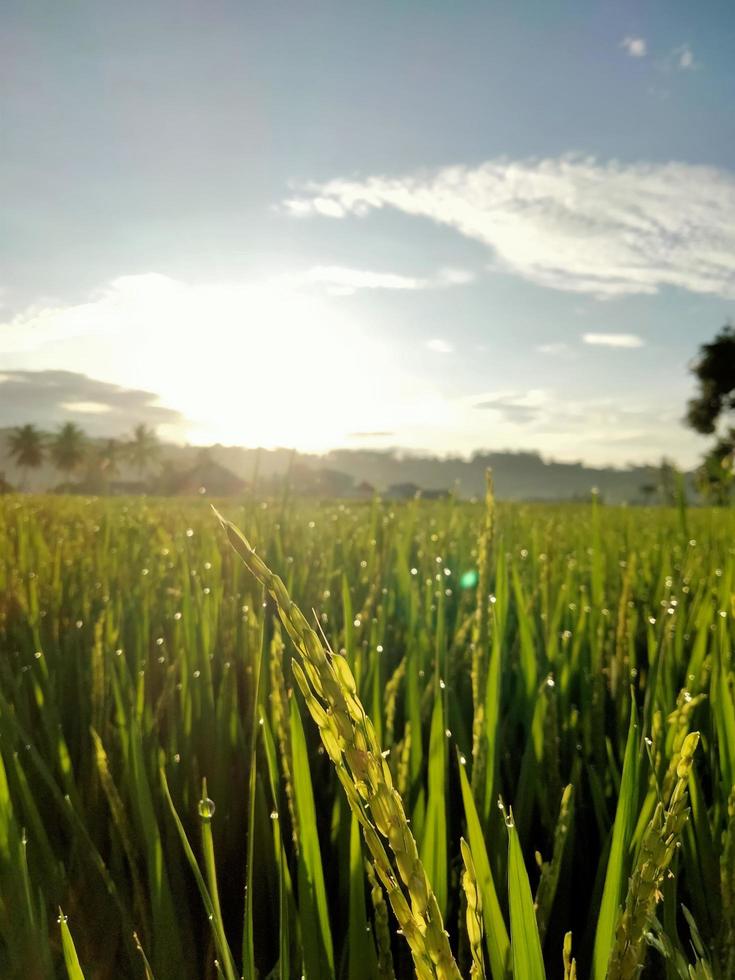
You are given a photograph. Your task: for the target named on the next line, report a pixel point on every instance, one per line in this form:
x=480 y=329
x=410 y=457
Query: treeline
x=74 y=455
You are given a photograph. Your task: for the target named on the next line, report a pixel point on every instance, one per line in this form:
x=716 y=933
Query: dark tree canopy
x=715 y=372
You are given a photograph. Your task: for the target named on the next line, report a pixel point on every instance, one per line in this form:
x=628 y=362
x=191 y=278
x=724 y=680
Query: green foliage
x=140 y=657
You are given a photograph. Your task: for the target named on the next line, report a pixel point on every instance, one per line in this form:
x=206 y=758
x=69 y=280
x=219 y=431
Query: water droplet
x=190 y=532
x=38 y=654
x=206 y=808
x=274 y=814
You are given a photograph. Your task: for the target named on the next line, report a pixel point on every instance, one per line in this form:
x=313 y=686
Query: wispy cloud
x=604 y=229
x=683 y=58
x=635 y=46
x=340 y=280
x=628 y=340
x=440 y=346
x=555 y=349
x=344 y=280
x=513 y=407
x=49 y=398
x=381 y=434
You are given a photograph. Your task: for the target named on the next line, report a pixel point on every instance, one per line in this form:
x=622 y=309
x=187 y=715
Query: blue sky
x=440 y=226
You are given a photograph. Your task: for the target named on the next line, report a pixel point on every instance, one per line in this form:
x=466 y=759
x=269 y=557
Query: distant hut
x=441 y=494
x=208 y=477
x=403 y=491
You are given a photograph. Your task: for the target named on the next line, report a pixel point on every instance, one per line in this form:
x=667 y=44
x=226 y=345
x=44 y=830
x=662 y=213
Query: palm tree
x=110 y=456
x=143 y=450
x=68 y=448
x=102 y=465
x=27 y=446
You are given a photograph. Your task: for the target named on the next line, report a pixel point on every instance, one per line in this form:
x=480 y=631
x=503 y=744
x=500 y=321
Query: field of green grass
x=435 y=739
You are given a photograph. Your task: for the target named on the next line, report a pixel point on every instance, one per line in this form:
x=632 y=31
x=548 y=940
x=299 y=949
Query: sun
x=262 y=365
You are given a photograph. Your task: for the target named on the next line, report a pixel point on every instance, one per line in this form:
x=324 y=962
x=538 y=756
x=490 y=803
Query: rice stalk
x=281 y=728
x=330 y=692
x=381 y=925
x=473 y=912
x=644 y=890
x=546 y=889
x=481 y=642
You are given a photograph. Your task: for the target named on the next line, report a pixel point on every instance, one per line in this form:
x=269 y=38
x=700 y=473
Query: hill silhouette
x=517 y=475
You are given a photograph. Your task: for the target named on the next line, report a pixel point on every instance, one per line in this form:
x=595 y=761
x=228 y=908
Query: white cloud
x=556 y=349
x=604 y=229
x=440 y=346
x=635 y=46
x=629 y=340
x=344 y=281
x=87 y=408
x=684 y=58
x=516 y=408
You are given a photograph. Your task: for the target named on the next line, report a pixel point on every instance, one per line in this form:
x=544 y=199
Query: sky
x=438 y=226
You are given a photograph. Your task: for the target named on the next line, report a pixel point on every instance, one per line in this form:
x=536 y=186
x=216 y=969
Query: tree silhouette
x=143 y=450
x=110 y=456
x=648 y=491
x=714 y=478
x=715 y=372
x=68 y=448
x=713 y=405
x=27 y=446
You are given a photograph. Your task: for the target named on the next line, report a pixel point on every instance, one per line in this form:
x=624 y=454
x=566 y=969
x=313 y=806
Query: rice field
x=433 y=739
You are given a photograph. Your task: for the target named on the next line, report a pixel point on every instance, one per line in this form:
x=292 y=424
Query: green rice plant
x=570 y=964
x=481 y=641
x=384 y=966
x=496 y=933
x=525 y=942
x=208 y=890
x=550 y=870
x=350 y=742
x=71 y=960
x=135 y=640
x=317 y=939
x=657 y=848
x=615 y=872
x=474 y=912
